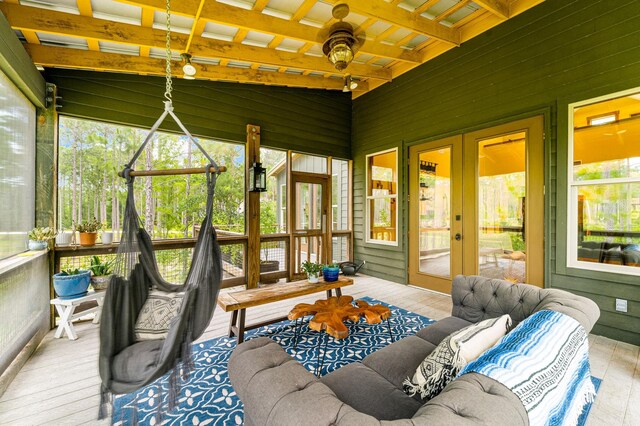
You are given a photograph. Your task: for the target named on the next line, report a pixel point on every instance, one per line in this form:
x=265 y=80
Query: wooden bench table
x=238 y=302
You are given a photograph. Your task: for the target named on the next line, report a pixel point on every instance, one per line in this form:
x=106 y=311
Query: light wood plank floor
x=59 y=385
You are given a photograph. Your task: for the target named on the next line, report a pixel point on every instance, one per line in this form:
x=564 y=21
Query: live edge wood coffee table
x=238 y=302
x=329 y=316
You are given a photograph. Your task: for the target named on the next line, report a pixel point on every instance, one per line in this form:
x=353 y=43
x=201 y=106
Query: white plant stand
x=67 y=307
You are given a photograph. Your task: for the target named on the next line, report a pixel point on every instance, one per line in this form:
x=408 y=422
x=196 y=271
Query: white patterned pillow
x=156 y=315
x=454 y=352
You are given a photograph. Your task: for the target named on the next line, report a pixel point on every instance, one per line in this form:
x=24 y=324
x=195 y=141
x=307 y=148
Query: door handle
x=458 y=237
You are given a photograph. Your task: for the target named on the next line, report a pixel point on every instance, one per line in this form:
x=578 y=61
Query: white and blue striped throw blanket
x=545 y=362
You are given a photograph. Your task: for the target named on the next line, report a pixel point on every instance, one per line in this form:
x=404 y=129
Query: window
x=17 y=168
x=90 y=154
x=382 y=194
x=273 y=202
x=604 y=184
x=340 y=194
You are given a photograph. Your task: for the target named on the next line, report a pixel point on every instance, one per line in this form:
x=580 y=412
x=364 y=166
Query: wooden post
x=252 y=209
x=293 y=258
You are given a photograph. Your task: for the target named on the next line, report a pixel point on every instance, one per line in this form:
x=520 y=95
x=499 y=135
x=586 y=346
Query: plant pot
x=269 y=266
x=71 y=286
x=330 y=274
x=88 y=239
x=63 y=239
x=313 y=278
x=101 y=282
x=107 y=237
x=37 y=245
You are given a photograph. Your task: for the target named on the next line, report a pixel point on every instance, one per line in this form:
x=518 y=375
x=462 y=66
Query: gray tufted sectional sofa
x=278 y=391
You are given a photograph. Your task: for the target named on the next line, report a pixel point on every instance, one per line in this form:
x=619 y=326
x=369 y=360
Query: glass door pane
x=501 y=207
x=308 y=206
x=434 y=191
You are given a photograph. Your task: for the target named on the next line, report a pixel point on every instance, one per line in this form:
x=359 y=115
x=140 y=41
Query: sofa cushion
x=370 y=393
x=435 y=333
x=400 y=359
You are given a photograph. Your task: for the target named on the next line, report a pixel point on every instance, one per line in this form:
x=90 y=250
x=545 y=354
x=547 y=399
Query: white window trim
x=368 y=197
x=572 y=196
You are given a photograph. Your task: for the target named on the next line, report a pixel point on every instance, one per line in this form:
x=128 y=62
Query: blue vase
x=71 y=286
x=330 y=274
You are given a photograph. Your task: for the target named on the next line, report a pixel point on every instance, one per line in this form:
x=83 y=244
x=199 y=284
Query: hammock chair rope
x=126 y=361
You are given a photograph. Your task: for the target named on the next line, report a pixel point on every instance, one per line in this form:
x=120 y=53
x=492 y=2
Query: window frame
x=369 y=197
x=573 y=185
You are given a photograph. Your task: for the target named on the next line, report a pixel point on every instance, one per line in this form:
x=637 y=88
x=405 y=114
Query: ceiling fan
x=339 y=42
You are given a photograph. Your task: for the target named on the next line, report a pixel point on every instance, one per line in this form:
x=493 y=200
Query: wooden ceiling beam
x=244 y=53
x=393 y=14
x=255 y=20
x=31 y=18
x=497 y=7
x=49 y=56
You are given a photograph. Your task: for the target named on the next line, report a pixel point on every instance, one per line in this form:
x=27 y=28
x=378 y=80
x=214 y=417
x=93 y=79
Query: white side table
x=66 y=308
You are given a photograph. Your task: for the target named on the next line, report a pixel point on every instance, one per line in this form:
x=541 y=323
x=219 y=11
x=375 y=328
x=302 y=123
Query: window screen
x=17 y=168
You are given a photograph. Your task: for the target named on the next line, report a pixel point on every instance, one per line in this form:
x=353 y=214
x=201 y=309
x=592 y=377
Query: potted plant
x=39 y=238
x=63 y=238
x=88 y=232
x=100 y=273
x=71 y=283
x=312 y=269
x=330 y=272
x=107 y=237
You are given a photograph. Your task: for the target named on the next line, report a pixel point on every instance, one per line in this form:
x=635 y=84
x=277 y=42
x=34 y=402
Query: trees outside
x=92 y=153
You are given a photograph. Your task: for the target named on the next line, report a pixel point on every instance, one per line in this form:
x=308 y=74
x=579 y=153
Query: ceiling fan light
x=353 y=85
x=188 y=77
x=340 y=55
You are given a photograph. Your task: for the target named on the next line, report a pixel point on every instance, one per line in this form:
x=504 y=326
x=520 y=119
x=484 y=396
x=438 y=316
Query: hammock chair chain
x=169 y=83
x=128 y=173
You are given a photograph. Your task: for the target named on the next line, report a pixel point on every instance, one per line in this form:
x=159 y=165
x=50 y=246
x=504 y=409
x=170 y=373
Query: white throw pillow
x=156 y=315
x=454 y=352
x=477 y=339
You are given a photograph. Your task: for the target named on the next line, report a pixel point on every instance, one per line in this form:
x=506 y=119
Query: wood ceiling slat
x=146 y=20
x=453 y=9
x=85 y=9
x=392 y=14
x=74 y=58
x=425 y=6
x=30 y=18
x=497 y=7
x=224 y=14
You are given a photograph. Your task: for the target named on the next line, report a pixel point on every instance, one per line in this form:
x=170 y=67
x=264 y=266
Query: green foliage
x=517 y=242
x=332 y=265
x=311 y=268
x=99 y=268
x=88 y=226
x=42 y=234
x=71 y=271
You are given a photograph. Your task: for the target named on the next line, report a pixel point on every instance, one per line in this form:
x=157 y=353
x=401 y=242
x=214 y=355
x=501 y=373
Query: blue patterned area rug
x=209 y=399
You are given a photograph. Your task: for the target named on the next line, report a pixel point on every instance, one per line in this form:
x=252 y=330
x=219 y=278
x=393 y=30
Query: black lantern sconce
x=257 y=178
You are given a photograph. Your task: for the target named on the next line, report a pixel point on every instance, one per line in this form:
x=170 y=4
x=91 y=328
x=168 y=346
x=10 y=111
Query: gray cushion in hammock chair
x=135 y=362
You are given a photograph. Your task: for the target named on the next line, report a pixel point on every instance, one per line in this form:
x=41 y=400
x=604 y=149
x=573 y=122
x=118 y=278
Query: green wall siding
x=538 y=62
x=313 y=121
x=17 y=65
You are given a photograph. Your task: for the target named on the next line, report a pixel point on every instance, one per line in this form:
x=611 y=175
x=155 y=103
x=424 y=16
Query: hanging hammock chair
x=148 y=324
x=127 y=362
